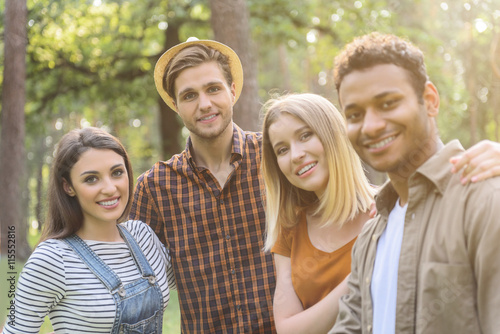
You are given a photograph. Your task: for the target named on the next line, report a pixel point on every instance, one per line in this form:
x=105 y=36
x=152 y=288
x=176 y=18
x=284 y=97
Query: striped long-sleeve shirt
x=215 y=234
x=57 y=283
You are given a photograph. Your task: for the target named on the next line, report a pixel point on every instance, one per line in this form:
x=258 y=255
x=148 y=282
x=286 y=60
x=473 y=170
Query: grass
x=171 y=317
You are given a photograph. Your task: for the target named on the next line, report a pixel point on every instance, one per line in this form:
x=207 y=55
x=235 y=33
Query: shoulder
x=369 y=229
x=51 y=250
x=253 y=138
x=481 y=193
x=49 y=262
x=480 y=200
x=138 y=229
x=143 y=234
x=161 y=168
x=287 y=236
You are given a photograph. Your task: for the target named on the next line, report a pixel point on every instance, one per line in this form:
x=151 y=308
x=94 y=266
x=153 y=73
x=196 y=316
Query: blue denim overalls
x=139 y=305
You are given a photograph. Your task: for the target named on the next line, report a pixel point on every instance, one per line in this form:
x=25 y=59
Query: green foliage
x=91 y=62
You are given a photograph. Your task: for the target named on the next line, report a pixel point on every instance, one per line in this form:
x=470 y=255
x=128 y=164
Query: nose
x=297 y=153
x=109 y=187
x=373 y=123
x=205 y=102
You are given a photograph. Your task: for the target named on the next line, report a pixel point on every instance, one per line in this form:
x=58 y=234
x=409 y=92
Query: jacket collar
x=437 y=170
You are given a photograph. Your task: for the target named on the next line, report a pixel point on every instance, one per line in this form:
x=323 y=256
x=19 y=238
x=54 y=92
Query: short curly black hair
x=378 y=49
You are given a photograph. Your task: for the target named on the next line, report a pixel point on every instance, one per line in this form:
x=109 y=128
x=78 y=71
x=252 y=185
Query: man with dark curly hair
x=428 y=263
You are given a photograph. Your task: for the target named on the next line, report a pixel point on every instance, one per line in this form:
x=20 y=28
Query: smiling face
x=386 y=124
x=204 y=100
x=100 y=182
x=300 y=153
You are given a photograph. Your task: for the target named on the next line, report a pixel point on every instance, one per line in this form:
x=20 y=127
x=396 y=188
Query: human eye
x=118 y=172
x=306 y=135
x=389 y=103
x=353 y=115
x=214 y=89
x=90 y=179
x=188 y=96
x=281 y=150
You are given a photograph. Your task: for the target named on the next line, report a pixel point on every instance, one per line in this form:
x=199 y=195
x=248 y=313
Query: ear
x=175 y=106
x=431 y=99
x=233 y=92
x=68 y=189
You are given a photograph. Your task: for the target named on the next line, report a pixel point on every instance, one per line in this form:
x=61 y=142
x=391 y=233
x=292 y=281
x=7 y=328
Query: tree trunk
x=12 y=163
x=495 y=66
x=231 y=26
x=285 y=72
x=170 y=127
x=40 y=157
x=472 y=87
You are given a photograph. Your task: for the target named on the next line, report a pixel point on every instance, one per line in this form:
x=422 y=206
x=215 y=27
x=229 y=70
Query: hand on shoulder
x=478 y=163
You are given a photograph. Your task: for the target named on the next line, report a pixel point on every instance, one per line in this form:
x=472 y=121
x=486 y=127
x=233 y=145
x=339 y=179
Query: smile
x=207 y=118
x=382 y=143
x=306 y=168
x=108 y=203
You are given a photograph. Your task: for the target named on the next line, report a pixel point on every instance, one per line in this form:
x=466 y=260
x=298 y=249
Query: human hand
x=373 y=210
x=478 y=163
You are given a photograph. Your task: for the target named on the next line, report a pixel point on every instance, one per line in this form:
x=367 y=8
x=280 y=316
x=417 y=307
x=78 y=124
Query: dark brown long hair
x=65 y=216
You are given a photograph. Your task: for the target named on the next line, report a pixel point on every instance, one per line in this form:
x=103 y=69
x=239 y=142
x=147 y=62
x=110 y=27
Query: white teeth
x=306 y=168
x=207 y=118
x=382 y=143
x=109 y=203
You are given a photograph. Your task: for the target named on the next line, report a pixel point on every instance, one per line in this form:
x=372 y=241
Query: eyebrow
x=96 y=172
x=376 y=97
x=208 y=84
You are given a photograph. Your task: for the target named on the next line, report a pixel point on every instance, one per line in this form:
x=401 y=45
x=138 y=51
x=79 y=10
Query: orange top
x=314 y=272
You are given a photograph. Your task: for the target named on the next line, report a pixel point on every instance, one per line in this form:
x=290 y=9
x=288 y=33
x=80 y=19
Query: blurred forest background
x=74 y=63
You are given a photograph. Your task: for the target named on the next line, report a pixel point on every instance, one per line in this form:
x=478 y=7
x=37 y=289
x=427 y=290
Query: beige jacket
x=449 y=268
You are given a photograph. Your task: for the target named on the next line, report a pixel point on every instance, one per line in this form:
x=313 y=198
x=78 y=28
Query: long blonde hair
x=348 y=191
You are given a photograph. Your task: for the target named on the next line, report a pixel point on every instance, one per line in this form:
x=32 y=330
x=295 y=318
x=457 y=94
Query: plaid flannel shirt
x=215 y=235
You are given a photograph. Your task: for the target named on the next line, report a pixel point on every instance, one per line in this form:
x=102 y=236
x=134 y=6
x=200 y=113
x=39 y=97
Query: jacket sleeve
x=349 y=318
x=483 y=225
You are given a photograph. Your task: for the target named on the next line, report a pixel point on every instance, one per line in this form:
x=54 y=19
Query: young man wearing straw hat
x=205 y=203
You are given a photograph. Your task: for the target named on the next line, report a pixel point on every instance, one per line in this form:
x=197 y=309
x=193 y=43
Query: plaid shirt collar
x=237 y=148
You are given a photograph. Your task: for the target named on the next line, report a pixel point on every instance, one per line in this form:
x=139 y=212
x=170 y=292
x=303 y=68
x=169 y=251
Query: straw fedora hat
x=161 y=64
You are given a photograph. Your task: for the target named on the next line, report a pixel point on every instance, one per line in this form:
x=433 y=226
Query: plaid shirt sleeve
x=145 y=209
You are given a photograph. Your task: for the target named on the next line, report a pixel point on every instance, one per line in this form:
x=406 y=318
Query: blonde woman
x=317 y=201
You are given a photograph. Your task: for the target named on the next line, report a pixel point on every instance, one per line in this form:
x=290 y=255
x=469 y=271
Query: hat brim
x=161 y=64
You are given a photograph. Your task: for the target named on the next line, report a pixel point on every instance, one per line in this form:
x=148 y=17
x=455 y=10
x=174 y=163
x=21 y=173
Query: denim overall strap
x=94 y=263
x=139 y=304
x=139 y=258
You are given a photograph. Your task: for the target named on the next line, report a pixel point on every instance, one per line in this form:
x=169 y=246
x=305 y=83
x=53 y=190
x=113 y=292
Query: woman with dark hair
x=89 y=273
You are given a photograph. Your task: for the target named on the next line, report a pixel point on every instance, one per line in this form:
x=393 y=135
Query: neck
x=102 y=232
x=213 y=154
x=399 y=180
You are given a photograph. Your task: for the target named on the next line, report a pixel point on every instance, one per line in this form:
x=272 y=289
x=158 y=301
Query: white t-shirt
x=384 y=284
x=56 y=282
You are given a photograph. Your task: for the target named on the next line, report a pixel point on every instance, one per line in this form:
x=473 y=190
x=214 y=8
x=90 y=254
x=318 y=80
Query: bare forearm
x=317 y=319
